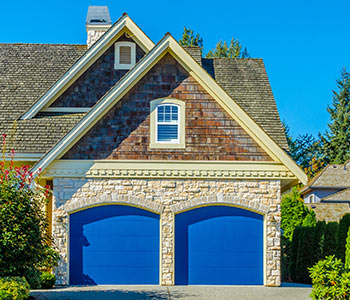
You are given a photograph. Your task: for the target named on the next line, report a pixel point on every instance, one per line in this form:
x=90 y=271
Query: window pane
x=167 y=118
x=160 y=114
x=174 y=117
x=167 y=133
x=174 y=109
x=167 y=109
x=125 y=55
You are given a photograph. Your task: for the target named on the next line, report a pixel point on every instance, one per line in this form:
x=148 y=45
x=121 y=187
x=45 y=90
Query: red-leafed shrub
x=24 y=236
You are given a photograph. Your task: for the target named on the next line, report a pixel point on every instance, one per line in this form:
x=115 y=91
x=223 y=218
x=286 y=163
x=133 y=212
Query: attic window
x=125 y=55
x=167 y=124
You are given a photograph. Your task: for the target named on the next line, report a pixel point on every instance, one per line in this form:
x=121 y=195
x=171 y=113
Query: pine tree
x=190 y=39
x=342 y=233
x=233 y=51
x=330 y=237
x=336 y=141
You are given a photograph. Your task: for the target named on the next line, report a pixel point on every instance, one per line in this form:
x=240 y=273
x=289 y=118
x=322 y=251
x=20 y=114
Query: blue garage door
x=114 y=244
x=219 y=245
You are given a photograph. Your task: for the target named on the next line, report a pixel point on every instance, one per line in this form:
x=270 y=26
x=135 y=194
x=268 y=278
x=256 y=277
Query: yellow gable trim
x=168 y=44
x=124 y=24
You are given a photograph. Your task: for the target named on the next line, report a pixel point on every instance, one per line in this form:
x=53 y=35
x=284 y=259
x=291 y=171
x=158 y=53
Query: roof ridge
x=50 y=44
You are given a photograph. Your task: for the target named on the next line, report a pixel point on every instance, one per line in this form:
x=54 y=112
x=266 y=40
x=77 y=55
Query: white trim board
x=91 y=54
x=169 y=45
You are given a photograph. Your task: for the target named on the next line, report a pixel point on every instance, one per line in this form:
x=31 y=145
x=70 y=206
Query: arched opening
x=113 y=244
x=219 y=245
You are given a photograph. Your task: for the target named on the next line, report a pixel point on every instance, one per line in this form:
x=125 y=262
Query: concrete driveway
x=174 y=293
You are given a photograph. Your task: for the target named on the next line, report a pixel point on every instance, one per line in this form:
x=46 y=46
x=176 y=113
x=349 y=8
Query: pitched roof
x=335 y=176
x=343 y=195
x=26 y=72
x=246 y=81
x=169 y=45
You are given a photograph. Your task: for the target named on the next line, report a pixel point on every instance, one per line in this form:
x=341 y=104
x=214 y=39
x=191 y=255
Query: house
x=166 y=167
x=328 y=193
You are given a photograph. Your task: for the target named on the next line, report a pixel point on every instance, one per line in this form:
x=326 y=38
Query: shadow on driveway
x=174 y=293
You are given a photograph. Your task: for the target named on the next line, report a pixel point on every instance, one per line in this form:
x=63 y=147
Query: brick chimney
x=97 y=23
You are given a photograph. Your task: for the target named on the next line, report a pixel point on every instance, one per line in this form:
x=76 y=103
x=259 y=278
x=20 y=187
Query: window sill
x=167 y=146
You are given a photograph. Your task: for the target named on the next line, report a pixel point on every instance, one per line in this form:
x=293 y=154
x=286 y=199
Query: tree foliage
x=306 y=151
x=294 y=212
x=234 y=50
x=347 y=251
x=330 y=280
x=336 y=140
x=222 y=49
x=24 y=236
x=330 y=236
x=190 y=39
x=342 y=234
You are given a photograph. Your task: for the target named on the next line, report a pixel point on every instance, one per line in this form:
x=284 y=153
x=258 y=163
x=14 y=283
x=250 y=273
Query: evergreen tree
x=330 y=237
x=342 y=234
x=347 y=252
x=306 y=151
x=190 y=39
x=294 y=213
x=336 y=141
x=234 y=50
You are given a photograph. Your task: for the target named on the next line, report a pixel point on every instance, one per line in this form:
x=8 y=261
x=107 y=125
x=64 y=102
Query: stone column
x=167 y=247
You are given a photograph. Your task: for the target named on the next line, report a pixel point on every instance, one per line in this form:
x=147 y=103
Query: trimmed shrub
x=347 y=252
x=342 y=234
x=47 y=280
x=33 y=278
x=319 y=240
x=306 y=254
x=330 y=237
x=294 y=254
x=293 y=213
x=13 y=288
x=329 y=281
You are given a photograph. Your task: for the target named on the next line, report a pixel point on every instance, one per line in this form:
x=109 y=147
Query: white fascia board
x=92 y=52
x=66 y=109
x=239 y=114
x=25 y=156
x=101 y=108
x=204 y=79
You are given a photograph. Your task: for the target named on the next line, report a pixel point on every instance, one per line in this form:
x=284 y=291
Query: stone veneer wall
x=329 y=212
x=168 y=196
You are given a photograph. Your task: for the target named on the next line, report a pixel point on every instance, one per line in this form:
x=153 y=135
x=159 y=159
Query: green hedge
x=13 y=288
x=310 y=244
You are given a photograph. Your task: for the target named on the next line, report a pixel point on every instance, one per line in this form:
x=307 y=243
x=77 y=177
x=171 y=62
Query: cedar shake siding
x=96 y=81
x=124 y=132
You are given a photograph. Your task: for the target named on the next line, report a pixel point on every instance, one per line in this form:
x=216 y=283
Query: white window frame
x=180 y=142
x=312 y=198
x=119 y=66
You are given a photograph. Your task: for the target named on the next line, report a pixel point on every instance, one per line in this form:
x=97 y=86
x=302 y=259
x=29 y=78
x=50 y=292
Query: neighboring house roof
x=332 y=176
x=343 y=195
x=168 y=44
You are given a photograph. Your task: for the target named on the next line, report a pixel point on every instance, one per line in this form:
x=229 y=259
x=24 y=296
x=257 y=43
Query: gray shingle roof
x=343 y=195
x=332 y=176
x=246 y=81
x=28 y=70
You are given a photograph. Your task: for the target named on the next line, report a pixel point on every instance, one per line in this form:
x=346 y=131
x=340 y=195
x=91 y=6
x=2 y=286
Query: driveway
x=174 y=293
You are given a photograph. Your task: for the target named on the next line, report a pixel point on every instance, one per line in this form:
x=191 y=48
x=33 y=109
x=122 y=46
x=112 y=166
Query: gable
x=124 y=132
x=169 y=45
x=96 y=80
x=123 y=25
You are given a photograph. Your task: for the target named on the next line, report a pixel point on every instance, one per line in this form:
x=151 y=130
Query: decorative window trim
x=153 y=124
x=117 y=46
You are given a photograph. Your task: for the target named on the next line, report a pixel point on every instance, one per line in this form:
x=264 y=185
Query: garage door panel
x=114 y=244
x=218 y=245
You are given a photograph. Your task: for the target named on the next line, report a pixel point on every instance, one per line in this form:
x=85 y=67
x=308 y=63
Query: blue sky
x=304 y=44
